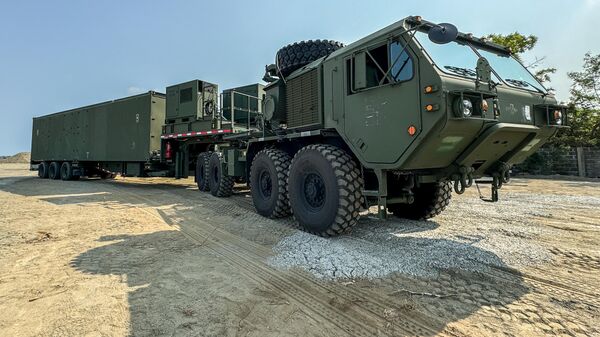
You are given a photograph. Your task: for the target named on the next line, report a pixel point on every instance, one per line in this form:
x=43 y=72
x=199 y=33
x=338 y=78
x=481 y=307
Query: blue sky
x=56 y=55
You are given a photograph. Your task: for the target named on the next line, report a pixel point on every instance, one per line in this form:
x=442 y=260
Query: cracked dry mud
x=155 y=257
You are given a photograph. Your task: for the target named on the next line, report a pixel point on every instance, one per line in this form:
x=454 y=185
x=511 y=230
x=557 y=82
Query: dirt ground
x=155 y=257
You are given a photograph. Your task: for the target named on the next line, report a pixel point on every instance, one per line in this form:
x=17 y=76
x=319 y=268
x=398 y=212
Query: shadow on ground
x=181 y=288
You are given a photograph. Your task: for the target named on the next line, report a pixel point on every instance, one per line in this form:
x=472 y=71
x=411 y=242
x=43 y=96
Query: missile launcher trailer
x=118 y=136
x=396 y=120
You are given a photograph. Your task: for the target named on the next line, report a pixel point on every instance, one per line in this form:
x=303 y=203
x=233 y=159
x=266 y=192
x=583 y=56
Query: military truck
x=395 y=120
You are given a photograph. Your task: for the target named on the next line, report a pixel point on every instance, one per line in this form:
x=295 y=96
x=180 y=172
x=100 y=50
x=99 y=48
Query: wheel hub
x=265 y=184
x=314 y=190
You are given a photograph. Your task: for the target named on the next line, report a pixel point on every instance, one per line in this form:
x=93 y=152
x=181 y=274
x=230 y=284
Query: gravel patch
x=470 y=235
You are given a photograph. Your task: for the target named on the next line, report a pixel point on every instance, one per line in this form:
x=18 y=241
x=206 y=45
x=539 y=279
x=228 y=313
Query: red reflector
x=412 y=130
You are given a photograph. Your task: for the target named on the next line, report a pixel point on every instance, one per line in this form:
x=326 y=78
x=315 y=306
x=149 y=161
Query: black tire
x=43 y=170
x=66 y=171
x=106 y=175
x=220 y=184
x=325 y=189
x=430 y=200
x=268 y=183
x=202 y=171
x=299 y=54
x=54 y=171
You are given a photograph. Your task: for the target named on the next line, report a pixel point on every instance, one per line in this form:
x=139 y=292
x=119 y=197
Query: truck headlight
x=463 y=107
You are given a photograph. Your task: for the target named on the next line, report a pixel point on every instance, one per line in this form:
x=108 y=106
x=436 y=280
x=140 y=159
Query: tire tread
x=281 y=161
x=350 y=183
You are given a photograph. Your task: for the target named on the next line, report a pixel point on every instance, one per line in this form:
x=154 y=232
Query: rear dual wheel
x=43 y=170
x=321 y=186
x=268 y=183
x=66 y=172
x=54 y=170
x=219 y=183
x=202 y=171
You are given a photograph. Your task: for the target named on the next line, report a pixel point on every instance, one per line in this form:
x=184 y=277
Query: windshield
x=459 y=59
x=511 y=71
x=452 y=57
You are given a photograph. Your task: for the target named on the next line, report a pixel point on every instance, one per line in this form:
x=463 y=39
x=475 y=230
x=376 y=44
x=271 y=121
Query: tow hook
x=463 y=179
x=501 y=176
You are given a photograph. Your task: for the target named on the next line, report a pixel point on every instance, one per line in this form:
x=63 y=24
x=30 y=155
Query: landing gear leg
x=382 y=197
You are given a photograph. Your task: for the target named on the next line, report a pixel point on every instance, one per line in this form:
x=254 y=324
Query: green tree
x=584 y=108
x=585 y=91
x=518 y=44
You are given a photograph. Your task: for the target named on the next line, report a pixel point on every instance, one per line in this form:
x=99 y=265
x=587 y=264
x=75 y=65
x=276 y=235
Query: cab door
x=382 y=101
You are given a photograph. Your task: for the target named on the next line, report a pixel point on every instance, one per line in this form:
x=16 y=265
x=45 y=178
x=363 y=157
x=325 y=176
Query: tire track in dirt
x=355 y=313
x=355 y=301
x=367 y=300
x=551 y=286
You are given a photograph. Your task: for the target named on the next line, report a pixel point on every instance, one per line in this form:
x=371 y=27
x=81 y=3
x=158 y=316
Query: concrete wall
x=580 y=161
x=591 y=158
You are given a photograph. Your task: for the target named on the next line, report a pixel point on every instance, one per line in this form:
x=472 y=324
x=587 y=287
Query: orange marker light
x=412 y=130
x=429 y=107
x=428 y=89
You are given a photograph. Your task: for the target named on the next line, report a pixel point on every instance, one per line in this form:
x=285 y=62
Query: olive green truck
x=395 y=120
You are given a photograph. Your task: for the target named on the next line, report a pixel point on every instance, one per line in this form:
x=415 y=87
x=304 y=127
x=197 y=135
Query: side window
x=379 y=65
x=402 y=65
x=185 y=95
x=376 y=66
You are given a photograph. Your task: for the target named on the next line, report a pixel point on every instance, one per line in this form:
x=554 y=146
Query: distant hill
x=21 y=157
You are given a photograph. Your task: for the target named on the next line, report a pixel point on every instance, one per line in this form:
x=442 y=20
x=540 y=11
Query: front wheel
x=325 y=189
x=430 y=200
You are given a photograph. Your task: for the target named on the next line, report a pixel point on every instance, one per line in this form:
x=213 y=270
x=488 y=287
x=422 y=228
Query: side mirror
x=443 y=33
x=360 y=70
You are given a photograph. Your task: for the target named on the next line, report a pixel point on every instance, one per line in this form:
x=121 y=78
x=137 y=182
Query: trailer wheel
x=54 y=170
x=430 y=200
x=43 y=170
x=325 y=189
x=106 y=175
x=220 y=184
x=202 y=171
x=66 y=171
x=268 y=183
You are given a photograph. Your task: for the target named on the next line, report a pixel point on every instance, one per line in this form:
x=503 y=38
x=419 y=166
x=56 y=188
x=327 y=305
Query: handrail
x=232 y=107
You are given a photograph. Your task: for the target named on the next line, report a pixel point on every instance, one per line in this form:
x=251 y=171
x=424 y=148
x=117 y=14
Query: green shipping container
x=123 y=130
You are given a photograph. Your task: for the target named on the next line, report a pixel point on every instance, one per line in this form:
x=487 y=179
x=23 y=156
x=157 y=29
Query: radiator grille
x=302 y=100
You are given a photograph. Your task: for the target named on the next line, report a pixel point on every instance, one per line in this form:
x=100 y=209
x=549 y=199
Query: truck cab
x=420 y=107
x=409 y=103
